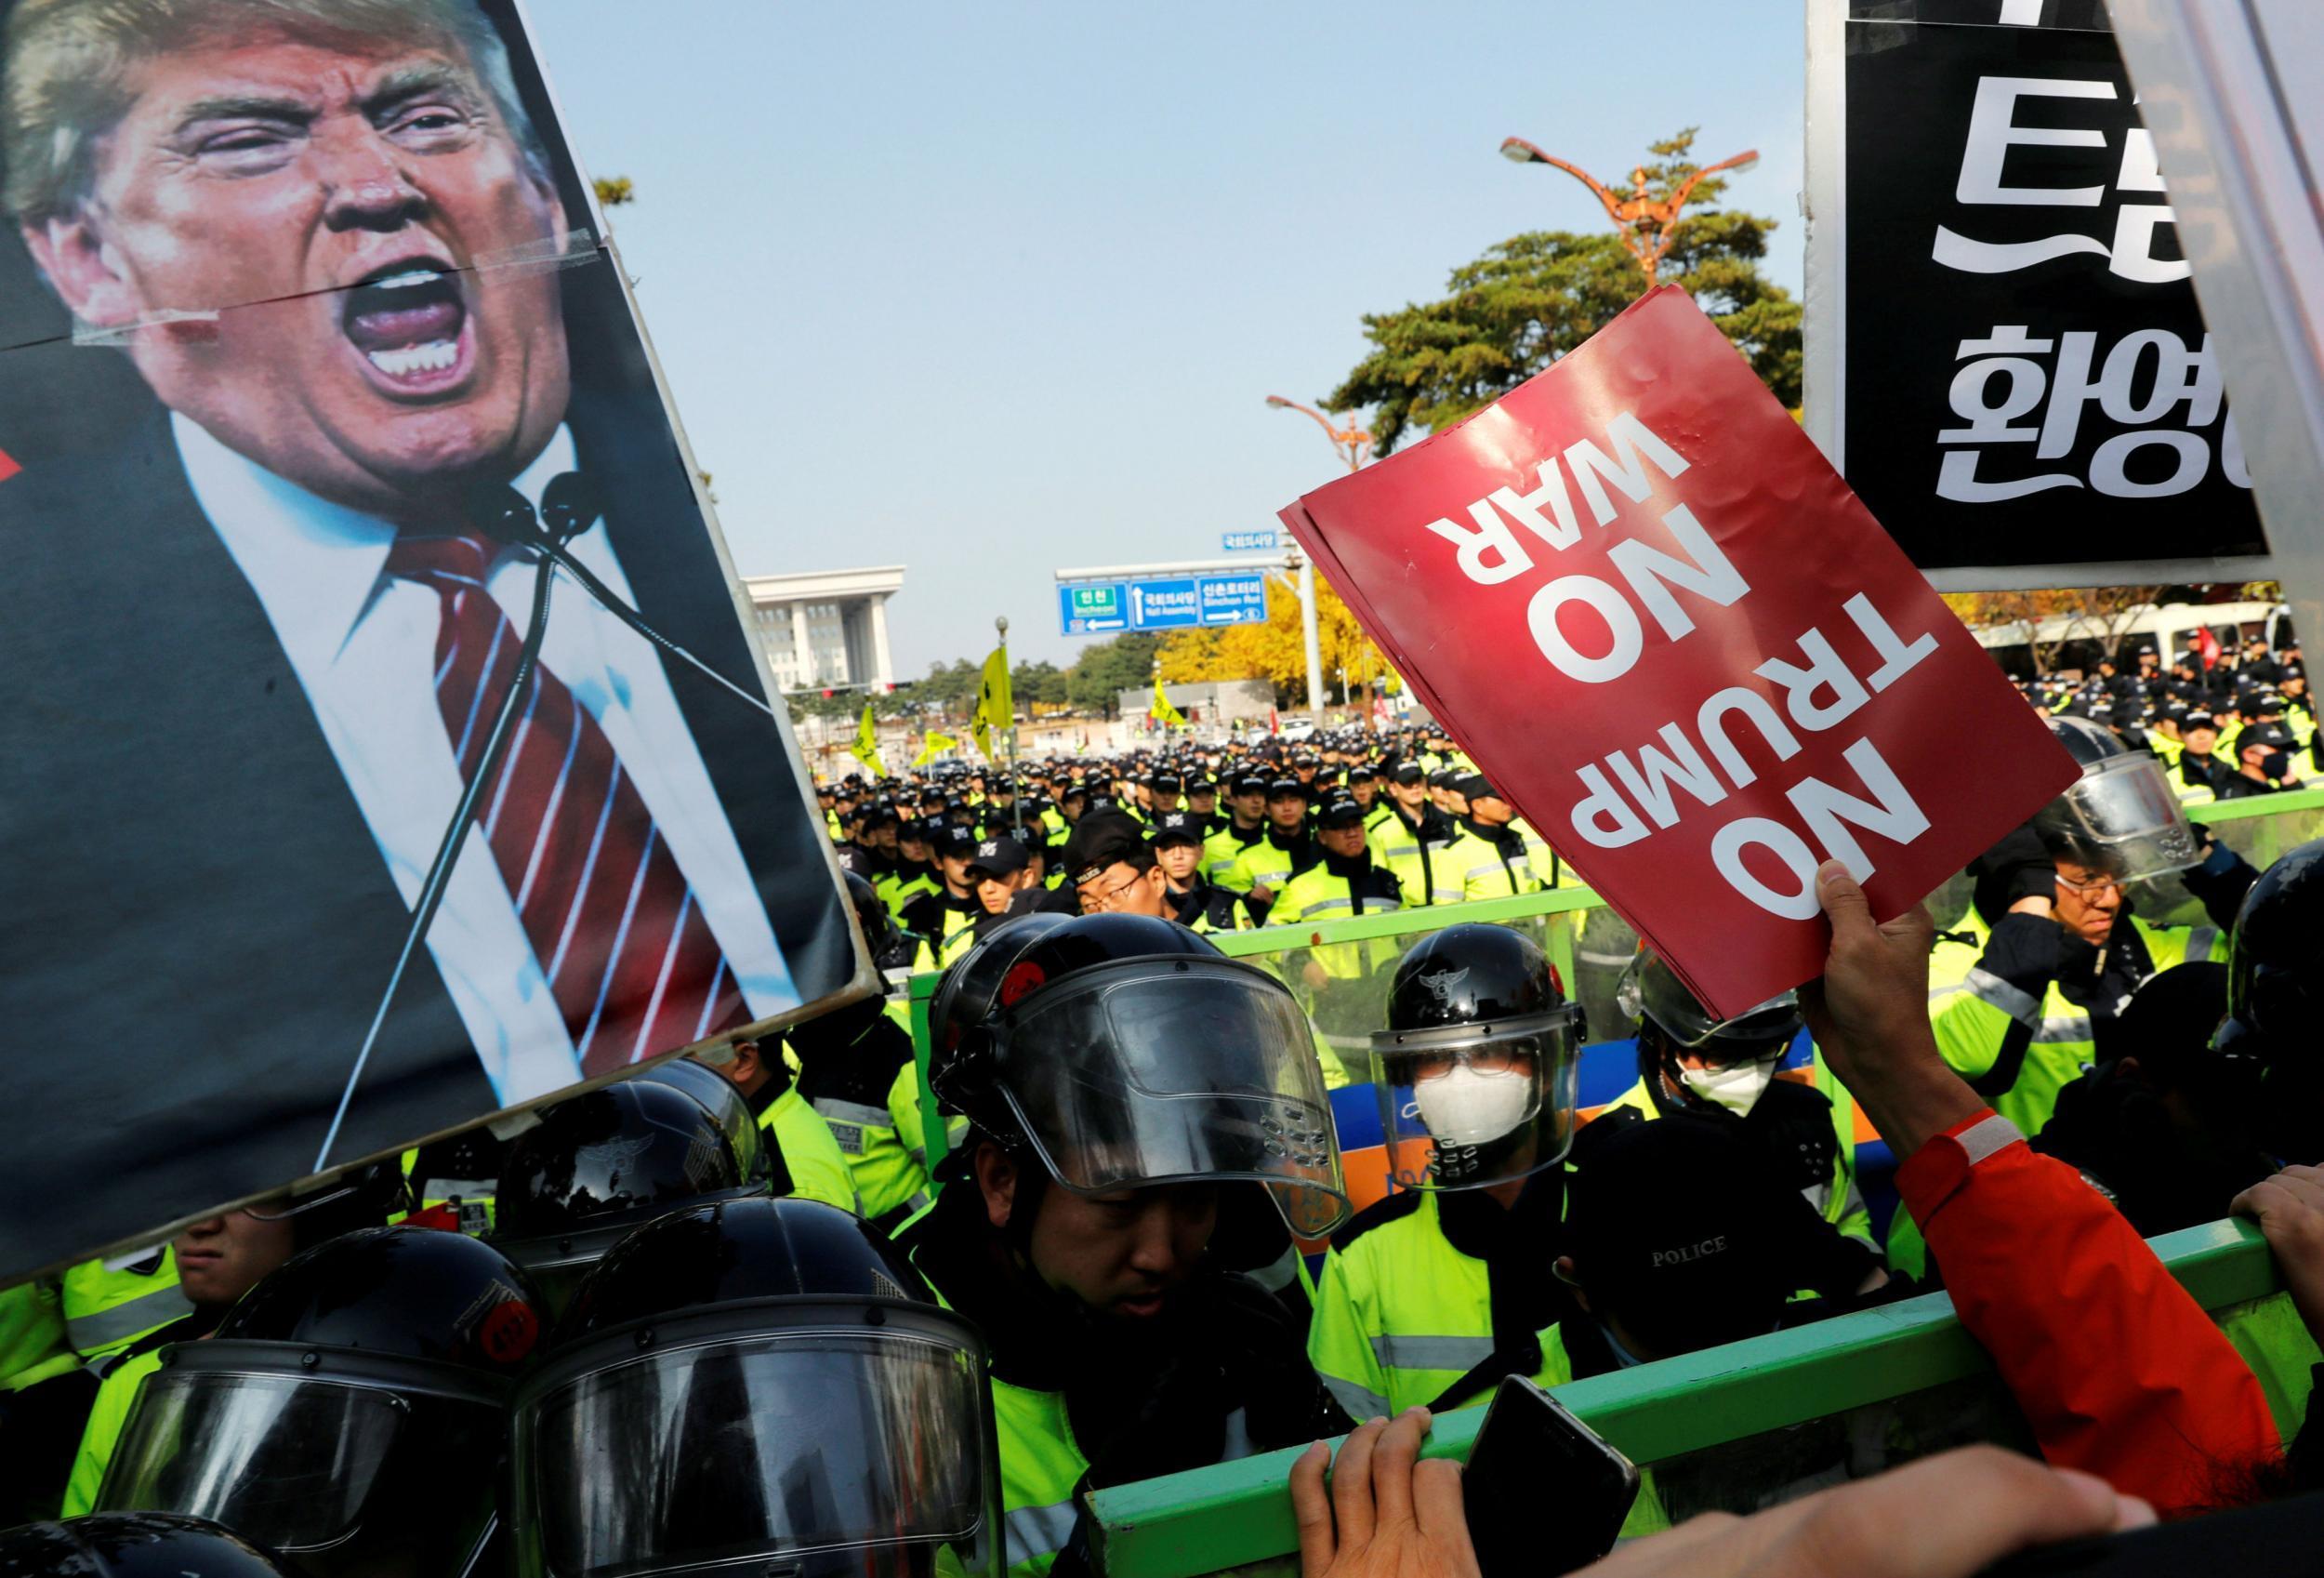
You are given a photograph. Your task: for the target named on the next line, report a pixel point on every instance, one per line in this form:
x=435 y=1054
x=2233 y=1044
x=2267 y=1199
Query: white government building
x=826 y=629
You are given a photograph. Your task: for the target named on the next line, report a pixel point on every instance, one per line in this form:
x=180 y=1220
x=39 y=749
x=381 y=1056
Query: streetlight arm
x=1309 y=412
x=1687 y=189
x=1535 y=155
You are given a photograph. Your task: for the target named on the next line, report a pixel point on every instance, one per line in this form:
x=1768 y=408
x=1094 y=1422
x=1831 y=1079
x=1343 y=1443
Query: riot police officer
x=1727 y=1072
x=1434 y=1293
x=350 y=1414
x=1143 y=1111
x=2065 y=950
x=757 y=1383
x=2276 y=1001
x=220 y=1259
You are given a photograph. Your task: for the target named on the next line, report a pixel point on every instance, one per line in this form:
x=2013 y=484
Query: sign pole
x=1307 y=636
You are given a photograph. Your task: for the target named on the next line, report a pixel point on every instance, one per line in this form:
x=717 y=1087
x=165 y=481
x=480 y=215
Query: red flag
x=7 y=468
x=1274 y=722
x=1675 y=640
x=2206 y=647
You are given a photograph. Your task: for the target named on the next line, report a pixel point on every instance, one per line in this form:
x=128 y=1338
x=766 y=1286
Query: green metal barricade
x=1731 y=1428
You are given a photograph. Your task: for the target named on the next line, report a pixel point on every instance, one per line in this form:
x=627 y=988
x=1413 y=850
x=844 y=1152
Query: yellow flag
x=932 y=747
x=866 y=746
x=995 y=707
x=1164 y=713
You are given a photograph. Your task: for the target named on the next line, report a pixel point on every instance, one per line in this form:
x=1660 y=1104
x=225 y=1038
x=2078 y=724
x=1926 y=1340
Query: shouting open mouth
x=409 y=324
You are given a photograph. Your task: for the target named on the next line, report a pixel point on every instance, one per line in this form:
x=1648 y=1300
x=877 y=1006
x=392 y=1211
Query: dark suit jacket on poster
x=199 y=924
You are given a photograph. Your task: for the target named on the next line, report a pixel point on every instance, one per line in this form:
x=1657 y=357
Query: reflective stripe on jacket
x=1400 y=1314
x=109 y=1304
x=818 y=1168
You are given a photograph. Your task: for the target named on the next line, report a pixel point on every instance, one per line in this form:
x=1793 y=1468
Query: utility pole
x=1354 y=447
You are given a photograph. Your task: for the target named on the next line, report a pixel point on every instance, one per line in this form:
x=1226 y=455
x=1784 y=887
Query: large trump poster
x=384 y=743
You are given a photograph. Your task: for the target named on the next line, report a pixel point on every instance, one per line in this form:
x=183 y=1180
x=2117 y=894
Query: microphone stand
x=568 y=510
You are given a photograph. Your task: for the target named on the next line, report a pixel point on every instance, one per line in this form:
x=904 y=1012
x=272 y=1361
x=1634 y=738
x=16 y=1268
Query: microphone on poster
x=569 y=507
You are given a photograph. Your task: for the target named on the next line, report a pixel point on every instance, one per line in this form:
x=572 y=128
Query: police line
x=2259 y=829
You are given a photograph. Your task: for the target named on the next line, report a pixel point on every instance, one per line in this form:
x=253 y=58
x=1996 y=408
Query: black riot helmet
x=726 y=1105
x=2122 y=816
x=1737 y=1056
x=1123 y=1050
x=890 y=948
x=320 y=1210
x=1475 y=1072
x=131 y=1544
x=2275 y=994
x=350 y=1412
x=601 y=1163
x=811 y=1409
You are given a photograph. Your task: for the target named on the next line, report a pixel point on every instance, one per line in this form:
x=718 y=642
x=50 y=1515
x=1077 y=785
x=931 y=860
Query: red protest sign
x=1680 y=645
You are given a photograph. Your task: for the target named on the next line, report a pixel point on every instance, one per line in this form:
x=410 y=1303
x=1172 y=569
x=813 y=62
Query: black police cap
x=1176 y=827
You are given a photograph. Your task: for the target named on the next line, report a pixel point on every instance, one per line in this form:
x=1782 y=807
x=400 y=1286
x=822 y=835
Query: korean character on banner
x=2002 y=384
x=1994 y=130
x=2180 y=377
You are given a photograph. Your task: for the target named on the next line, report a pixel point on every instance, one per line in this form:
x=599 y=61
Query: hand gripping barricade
x=1124 y=1051
x=349 y=1414
x=757 y=1386
x=1475 y=1072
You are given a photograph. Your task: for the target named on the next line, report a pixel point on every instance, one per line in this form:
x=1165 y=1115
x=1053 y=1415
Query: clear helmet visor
x=1469 y=1106
x=1650 y=991
x=815 y=1452
x=306 y=1464
x=1175 y=1070
x=2122 y=816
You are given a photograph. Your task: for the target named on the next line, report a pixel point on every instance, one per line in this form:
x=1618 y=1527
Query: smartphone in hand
x=1544 y=1495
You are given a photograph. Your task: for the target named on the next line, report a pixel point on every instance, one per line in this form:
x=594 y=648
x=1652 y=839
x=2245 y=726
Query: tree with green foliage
x=1107 y=667
x=1534 y=297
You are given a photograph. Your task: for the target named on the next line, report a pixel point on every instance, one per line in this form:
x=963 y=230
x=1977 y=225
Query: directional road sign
x=1232 y=600
x=1091 y=608
x=1240 y=542
x=1166 y=602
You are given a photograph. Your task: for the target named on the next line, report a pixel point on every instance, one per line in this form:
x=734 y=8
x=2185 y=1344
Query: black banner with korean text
x=2006 y=355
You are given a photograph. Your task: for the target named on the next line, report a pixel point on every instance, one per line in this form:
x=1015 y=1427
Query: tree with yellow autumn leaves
x=1275 y=652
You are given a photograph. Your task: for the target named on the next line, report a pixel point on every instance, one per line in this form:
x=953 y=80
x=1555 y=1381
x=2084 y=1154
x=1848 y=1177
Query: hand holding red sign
x=1672 y=637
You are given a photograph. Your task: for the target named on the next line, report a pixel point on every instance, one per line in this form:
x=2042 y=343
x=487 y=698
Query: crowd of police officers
x=722 y=1315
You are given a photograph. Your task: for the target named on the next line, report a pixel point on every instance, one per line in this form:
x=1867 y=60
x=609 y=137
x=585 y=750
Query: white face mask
x=1737 y=1087
x=1464 y=1106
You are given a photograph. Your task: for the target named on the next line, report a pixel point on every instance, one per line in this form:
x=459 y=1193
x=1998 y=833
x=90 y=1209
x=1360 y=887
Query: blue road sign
x=1171 y=604
x=1174 y=602
x=1091 y=608
x=1232 y=600
x=1240 y=542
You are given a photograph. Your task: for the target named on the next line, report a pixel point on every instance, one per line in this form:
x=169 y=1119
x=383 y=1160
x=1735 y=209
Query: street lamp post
x=1646 y=224
x=1354 y=447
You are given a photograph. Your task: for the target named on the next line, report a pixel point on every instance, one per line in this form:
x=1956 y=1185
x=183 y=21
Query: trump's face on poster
x=323 y=230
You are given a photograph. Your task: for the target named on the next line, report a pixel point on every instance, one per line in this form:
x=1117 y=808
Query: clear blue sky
x=991 y=290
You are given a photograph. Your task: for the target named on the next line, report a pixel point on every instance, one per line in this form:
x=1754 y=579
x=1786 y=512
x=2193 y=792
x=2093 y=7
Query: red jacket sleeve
x=2118 y=1369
